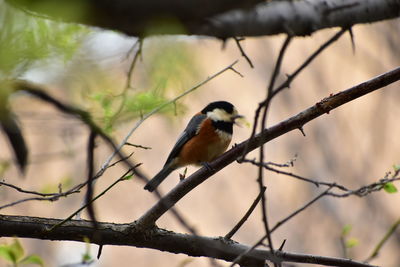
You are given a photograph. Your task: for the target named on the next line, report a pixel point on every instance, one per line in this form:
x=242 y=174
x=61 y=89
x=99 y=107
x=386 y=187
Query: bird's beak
x=237 y=119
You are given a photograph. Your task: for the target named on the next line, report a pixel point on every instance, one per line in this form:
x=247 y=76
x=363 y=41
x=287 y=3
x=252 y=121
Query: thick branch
x=128 y=235
x=295 y=122
x=298 y=18
x=223 y=19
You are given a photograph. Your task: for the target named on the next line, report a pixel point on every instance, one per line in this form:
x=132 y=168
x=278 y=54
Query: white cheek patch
x=219 y=115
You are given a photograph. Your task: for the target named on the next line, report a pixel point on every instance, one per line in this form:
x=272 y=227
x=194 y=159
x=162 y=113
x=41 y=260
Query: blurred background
x=355 y=145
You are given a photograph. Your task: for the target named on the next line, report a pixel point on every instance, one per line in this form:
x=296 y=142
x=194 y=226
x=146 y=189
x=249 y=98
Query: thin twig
x=281 y=222
x=238 y=40
x=270 y=86
x=28 y=191
x=133 y=63
x=90 y=181
x=314 y=182
x=378 y=247
x=246 y=216
x=250 y=249
x=138 y=146
x=129 y=78
x=353 y=44
x=120 y=160
x=120 y=179
x=365 y=190
x=307 y=62
x=266 y=106
x=54 y=198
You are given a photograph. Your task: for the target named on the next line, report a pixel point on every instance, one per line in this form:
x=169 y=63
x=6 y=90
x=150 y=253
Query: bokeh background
x=355 y=145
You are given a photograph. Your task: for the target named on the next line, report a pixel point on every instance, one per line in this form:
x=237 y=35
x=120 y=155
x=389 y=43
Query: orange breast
x=204 y=147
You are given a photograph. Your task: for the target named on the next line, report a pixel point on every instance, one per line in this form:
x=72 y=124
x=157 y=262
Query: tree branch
x=222 y=19
x=295 y=122
x=299 y=18
x=155 y=238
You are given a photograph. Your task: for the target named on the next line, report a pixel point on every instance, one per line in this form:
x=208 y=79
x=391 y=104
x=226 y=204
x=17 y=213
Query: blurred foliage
x=161 y=25
x=26 y=40
x=351 y=242
x=346 y=230
x=87 y=256
x=14 y=254
x=396 y=167
x=167 y=69
x=4 y=166
x=69 y=10
x=65 y=183
x=347 y=242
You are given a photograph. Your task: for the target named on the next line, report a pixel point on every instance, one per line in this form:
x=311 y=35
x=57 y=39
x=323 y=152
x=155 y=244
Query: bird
x=206 y=136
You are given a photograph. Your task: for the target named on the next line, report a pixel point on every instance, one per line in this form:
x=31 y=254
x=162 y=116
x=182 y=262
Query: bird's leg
x=182 y=175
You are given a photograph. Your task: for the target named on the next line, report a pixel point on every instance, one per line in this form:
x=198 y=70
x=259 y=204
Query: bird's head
x=221 y=111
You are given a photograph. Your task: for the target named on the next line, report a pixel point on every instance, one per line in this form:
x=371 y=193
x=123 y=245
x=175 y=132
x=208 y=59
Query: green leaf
x=127 y=177
x=390 y=188
x=33 y=259
x=351 y=242
x=4 y=166
x=17 y=250
x=65 y=182
x=144 y=102
x=346 y=229
x=86 y=257
x=396 y=167
x=6 y=253
x=34 y=38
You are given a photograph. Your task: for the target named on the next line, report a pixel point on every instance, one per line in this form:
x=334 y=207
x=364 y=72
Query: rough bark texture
x=222 y=19
x=156 y=238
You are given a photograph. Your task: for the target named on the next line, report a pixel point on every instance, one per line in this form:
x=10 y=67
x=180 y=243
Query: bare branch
x=155 y=238
x=120 y=179
x=368 y=189
x=305 y=179
x=307 y=62
x=225 y=19
x=19 y=189
x=298 y=18
x=278 y=224
x=238 y=40
x=378 y=247
x=90 y=180
x=138 y=146
x=246 y=216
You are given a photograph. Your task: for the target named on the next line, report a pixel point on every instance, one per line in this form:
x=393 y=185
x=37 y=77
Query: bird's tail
x=157 y=180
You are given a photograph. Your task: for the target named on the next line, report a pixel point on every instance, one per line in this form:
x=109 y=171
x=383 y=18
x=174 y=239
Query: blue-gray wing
x=188 y=133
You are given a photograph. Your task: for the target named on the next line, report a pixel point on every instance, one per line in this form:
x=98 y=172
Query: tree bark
x=155 y=238
x=222 y=19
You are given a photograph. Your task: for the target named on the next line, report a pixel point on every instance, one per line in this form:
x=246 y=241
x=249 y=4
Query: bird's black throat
x=223 y=126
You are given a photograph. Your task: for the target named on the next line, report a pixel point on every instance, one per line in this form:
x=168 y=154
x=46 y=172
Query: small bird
x=206 y=136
